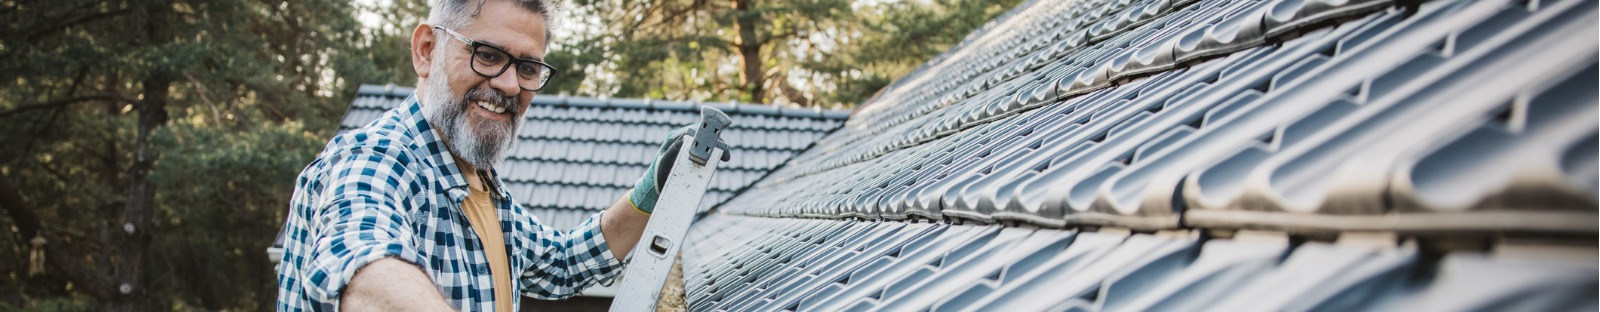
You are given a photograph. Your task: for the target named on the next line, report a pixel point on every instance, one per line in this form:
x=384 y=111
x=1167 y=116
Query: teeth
x=492 y=108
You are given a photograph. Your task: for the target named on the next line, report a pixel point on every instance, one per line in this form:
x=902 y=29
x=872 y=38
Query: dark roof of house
x=575 y=156
x=1174 y=154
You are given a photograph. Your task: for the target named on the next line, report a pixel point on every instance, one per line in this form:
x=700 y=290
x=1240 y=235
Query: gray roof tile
x=578 y=154
x=1454 y=119
x=1186 y=118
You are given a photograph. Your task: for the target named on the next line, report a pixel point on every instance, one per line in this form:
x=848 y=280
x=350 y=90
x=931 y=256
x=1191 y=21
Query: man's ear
x=422 y=41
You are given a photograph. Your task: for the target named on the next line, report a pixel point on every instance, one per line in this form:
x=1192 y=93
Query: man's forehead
x=505 y=25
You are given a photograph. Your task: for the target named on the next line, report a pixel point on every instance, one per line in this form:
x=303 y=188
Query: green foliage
x=51 y=305
x=231 y=181
x=916 y=31
x=689 y=49
x=812 y=53
x=255 y=88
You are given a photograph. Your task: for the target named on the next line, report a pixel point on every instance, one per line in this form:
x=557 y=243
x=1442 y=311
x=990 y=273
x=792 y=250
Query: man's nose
x=506 y=83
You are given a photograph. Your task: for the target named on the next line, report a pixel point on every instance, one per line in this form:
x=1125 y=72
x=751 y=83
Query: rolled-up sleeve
x=566 y=262
x=360 y=219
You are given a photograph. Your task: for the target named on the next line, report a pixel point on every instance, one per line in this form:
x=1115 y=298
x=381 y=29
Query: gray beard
x=448 y=113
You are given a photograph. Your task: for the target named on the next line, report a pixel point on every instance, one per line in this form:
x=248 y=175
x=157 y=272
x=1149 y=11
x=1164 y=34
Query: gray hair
x=458 y=14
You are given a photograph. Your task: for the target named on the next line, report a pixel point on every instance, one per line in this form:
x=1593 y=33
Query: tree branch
x=216 y=115
x=673 y=17
x=43 y=31
x=67 y=101
x=769 y=39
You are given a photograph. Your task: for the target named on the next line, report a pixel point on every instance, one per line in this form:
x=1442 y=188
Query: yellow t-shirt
x=480 y=211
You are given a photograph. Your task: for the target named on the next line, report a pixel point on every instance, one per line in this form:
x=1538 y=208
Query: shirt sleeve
x=564 y=263
x=359 y=219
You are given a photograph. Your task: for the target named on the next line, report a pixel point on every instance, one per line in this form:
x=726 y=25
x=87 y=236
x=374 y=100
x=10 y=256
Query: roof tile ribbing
x=1291 y=128
x=1185 y=155
x=575 y=156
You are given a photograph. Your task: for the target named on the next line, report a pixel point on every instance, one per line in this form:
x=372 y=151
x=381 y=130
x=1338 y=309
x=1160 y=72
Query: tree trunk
x=133 y=239
x=749 y=50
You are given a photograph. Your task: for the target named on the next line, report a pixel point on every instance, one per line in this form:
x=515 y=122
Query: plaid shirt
x=390 y=189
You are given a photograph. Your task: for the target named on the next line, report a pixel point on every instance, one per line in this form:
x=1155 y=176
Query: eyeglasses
x=491 y=61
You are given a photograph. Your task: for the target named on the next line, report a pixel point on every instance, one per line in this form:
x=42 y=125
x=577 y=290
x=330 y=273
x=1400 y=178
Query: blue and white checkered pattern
x=390 y=190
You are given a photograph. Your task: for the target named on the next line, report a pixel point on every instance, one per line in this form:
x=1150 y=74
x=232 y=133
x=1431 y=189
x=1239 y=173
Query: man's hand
x=648 y=189
x=392 y=285
x=623 y=228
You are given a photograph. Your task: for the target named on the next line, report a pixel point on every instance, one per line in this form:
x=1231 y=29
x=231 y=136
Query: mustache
x=483 y=148
x=487 y=94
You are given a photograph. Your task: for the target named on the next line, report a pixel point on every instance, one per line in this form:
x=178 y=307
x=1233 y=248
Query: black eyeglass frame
x=544 y=76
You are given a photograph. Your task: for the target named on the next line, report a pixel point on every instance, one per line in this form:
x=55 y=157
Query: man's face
x=477 y=115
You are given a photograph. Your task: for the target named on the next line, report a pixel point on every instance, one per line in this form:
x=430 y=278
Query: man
x=407 y=212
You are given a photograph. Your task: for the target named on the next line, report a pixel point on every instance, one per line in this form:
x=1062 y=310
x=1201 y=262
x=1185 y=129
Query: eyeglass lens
x=491 y=62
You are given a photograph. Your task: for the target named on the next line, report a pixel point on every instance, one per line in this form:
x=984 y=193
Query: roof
x=575 y=156
x=1154 y=154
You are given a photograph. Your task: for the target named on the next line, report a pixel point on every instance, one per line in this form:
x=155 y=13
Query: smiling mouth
x=491 y=107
